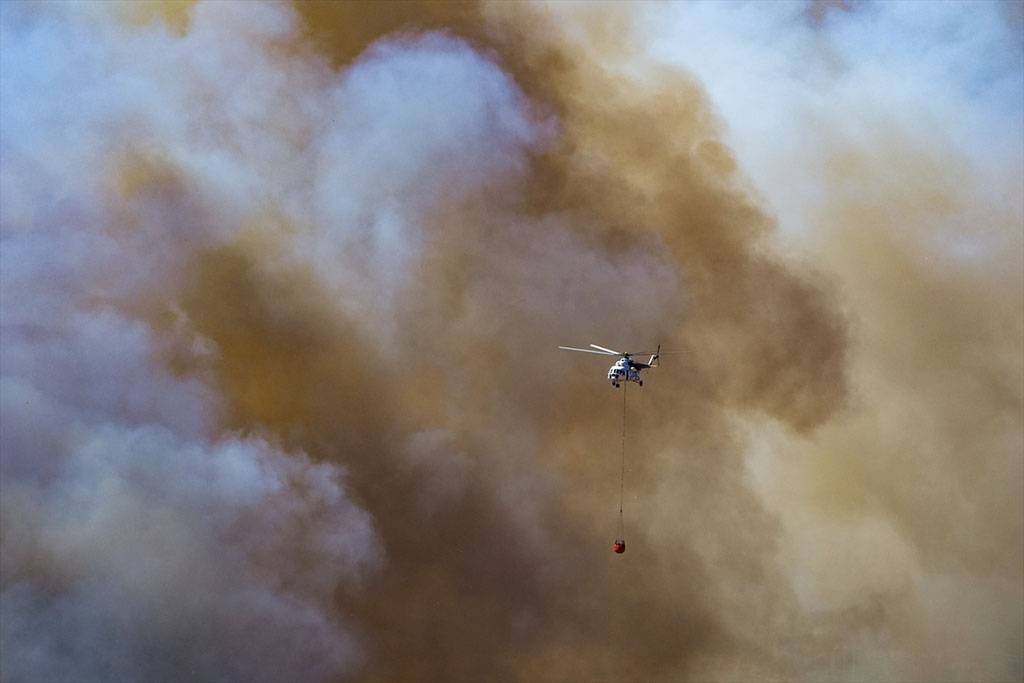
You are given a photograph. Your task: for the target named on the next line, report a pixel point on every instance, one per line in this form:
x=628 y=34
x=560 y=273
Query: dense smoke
x=281 y=294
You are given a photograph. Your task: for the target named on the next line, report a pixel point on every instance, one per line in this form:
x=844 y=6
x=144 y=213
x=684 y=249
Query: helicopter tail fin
x=654 y=359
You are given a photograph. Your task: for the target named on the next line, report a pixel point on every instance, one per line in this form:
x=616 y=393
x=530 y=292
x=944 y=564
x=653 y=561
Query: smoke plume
x=282 y=290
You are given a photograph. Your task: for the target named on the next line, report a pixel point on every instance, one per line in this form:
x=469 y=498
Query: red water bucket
x=619 y=546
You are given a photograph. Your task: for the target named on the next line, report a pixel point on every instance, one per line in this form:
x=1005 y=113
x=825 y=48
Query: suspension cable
x=622 y=471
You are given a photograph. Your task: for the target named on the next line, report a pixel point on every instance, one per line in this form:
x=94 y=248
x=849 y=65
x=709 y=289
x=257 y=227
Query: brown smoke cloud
x=631 y=226
x=370 y=250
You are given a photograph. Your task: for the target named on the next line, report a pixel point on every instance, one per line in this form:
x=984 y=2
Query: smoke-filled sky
x=282 y=290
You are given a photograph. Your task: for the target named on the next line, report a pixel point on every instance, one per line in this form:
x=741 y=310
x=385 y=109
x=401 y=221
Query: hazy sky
x=281 y=290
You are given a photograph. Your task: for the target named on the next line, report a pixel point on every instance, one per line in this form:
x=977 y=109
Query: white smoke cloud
x=418 y=124
x=139 y=541
x=789 y=81
x=145 y=555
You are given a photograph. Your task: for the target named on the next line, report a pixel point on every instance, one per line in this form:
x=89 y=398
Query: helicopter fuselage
x=626 y=370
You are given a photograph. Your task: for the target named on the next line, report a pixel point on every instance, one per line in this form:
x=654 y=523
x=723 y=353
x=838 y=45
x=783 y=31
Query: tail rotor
x=653 y=362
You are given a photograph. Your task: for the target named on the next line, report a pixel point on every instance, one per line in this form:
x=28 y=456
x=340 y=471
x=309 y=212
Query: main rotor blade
x=600 y=353
x=656 y=353
x=617 y=353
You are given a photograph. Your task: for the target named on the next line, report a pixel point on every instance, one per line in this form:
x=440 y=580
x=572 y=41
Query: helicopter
x=625 y=369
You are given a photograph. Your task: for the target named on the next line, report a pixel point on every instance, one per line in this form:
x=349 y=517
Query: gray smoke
x=281 y=291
